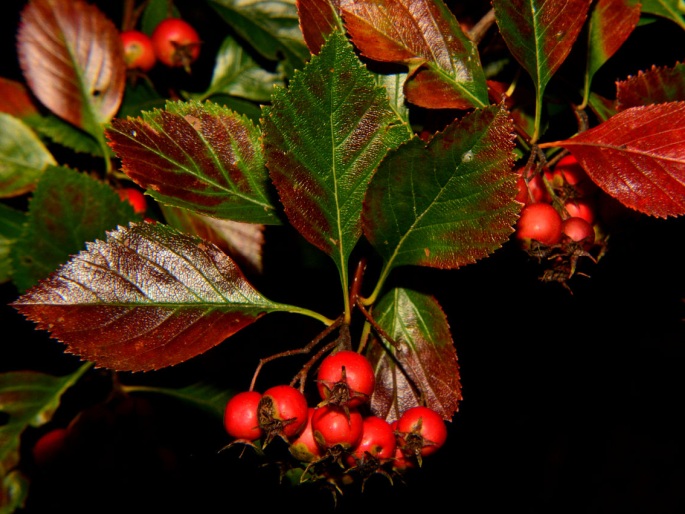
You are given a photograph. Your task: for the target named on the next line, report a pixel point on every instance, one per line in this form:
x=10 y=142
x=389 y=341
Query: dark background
x=572 y=402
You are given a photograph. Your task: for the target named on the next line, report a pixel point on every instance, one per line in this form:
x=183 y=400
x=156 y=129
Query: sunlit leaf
x=28 y=398
x=146 y=298
x=23 y=157
x=236 y=73
x=272 y=28
x=424 y=369
x=666 y=9
x=611 y=22
x=444 y=64
x=657 y=85
x=318 y=19
x=71 y=57
x=449 y=202
x=638 y=157
x=197 y=156
x=11 y=221
x=323 y=138
x=67 y=209
x=243 y=242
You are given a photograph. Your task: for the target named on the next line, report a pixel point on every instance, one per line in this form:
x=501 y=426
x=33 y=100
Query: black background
x=572 y=402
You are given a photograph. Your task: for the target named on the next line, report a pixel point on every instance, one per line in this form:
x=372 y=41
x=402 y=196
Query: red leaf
x=656 y=85
x=15 y=99
x=638 y=157
x=72 y=59
x=318 y=18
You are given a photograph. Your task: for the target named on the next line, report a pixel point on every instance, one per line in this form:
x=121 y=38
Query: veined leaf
x=656 y=85
x=449 y=202
x=638 y=157
x=424 y=369
x=444 y=64
x=197 y=156
x=272 y=28
x=67 y=209
x=318 y=20
x=11 y=221
x=324 y=137
x=666 y=9
x=28 y=398
x=15 y=99
x=72 y=59
x=146 y=298
x=23 y=157
x=236 y=73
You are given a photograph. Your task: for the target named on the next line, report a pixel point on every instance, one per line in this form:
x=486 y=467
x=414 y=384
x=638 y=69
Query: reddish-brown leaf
x=657 y=85
x=71 y=57
x=15 y=99
x=611 y=22
x=318 y=18
x=638 y=157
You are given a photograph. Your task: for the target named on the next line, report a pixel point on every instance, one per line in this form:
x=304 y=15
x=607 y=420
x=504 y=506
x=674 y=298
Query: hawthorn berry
x=334 y=429
x=49 y=446
x=138 y=50
x=135 y=197
x=378 y=440
x=531 y=187
x=569 y=177
x=538 y=222
x=176 y=43
x=241 y=416
x=578 y=230
x=283 y=412
x=421 y=431
x=583 y=207
x=304 y=447
x=345 y=379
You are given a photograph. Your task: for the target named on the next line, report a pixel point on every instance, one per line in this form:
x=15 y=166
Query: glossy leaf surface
x=449 y=202
x=323 y=138
x=198 y=156
x=638 y=157
x=424 y=367
x=656 y=85
x=146 y=298
x=71 y=57
x=444 y=65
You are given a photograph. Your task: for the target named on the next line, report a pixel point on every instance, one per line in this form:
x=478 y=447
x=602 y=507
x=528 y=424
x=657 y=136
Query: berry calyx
x=283 y=412
x=421 y=431
x=345 y=379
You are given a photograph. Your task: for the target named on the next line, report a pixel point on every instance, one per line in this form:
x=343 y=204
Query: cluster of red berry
x=174 y=42
x=558 y=221
x=337 y=440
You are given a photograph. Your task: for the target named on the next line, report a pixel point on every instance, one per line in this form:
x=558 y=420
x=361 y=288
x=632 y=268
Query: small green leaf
x=146 y=298
x=198 y=156
x=236 y=73
x=67 y=209
x=447 y=203
x=668 y=9
x=423 y=370
x=23 y=157
x=11 y=221
x=28 y=398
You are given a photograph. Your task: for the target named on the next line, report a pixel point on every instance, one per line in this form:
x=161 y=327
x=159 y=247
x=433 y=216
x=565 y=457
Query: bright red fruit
x=304 y=447
x=421 y=431
x=283 y=411
x=345 y=378
x=538 y=222
x=176 y=43
x=241 y=416
x=531 y=187
x=138 y=51
x=581 y=208
x=568 y=173
x=579 y=231
x=333 y=427
x=378 y=440
x=135 y=197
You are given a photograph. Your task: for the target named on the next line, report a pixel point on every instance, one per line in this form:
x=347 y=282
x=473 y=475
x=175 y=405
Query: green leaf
x=155 y=11
x=23 y=157
x=72 y=59
x=146 y=298
x=444 y=65
x=200 y=157
x=540 y=35
x=449 y=202
x=11 y=221
x=201 y=395
x=65 y=134
x=28 y=398
x=324 y=137
x=236 y=73
x=140 y=97
x=423 y=370
x=14 y=490
x=272 y=28
x=67 y=209
x=668 y=9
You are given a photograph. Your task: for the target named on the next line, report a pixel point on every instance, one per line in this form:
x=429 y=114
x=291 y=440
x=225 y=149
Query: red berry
x=531 y=187
x=568 y=173
x=333 y=427
x=176 y=43
x=579 y=231
x=49 y=446
x=538 y=222
x=135 y=197
x=283 y=411
x=583 y=207
x=138 y=51
x=421 y=431
x=304 y=447
x=378 y=439
x=345 y=379
x=240 y=416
